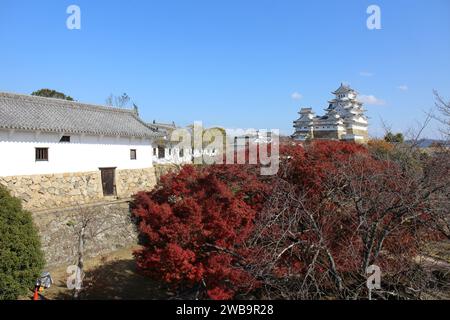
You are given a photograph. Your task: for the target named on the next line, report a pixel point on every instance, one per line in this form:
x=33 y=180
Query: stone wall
x=61 y=202
x=110 y=226
x=162 y=169
x=328 y=135
x=56 y=190
x=129 y=182
x=359 y=132
x=60 y=190
x=339 y=135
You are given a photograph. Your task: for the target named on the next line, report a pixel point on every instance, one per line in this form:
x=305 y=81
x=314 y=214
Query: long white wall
x=83 y=153
x=172 y=155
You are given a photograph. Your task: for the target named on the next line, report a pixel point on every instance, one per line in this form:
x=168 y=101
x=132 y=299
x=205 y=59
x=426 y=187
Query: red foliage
x=200 y=223
x=196 y=222
x=359 y=210
x=308 y=167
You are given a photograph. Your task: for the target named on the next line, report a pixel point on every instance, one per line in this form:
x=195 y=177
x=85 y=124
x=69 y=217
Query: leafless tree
x=443 y=107
x=88 y=225
x=121 y=101
x=321 y=245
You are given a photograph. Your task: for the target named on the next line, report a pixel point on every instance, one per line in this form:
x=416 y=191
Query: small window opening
x=133 y=154
x=65 y=139
x=41 y=154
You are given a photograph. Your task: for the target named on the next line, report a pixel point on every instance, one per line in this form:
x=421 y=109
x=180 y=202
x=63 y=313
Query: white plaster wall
x=361 y=120
x=83 y=153
x=174 y=157
x=362 y=128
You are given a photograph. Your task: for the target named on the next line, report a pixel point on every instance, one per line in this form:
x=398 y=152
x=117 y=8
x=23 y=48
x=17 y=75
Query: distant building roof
x=24 y=112
x=162 y=127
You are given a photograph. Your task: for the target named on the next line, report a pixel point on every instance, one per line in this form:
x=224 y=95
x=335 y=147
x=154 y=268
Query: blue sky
x=234 y=63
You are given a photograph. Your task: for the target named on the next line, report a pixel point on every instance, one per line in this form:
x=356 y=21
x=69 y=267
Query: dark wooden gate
x=108 y=178
x=161 y=152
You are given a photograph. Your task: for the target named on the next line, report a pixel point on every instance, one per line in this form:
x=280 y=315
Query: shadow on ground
x=113 y=280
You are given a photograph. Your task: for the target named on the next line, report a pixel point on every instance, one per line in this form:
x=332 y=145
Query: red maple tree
x=196 y=222
x=310 y=231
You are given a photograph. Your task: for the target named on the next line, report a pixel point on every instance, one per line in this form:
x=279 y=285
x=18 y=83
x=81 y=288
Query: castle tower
x=344 y=119
x=304 y=126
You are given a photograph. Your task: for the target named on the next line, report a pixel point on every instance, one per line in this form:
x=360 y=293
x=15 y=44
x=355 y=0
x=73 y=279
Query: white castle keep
x=344 y=120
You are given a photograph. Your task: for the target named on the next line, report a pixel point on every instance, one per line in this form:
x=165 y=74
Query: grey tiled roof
x=343 y=89
x=23 y=112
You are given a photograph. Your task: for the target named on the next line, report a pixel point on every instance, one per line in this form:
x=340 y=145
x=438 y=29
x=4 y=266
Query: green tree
x=21 y=258
x=394 y=138
x=48 y=93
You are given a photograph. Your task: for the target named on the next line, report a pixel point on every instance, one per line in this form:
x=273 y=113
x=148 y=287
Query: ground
x=437 y=259
x=115 y=277
x=439 y=251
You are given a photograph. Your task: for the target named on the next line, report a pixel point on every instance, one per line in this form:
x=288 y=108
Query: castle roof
x=305 y=111
x=343 y=89
x=32 y=113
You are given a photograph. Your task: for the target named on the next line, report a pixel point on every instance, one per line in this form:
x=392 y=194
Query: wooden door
x=161 y=152
x=108 y=178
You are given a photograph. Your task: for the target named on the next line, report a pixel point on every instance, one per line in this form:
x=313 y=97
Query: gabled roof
x=343 y=89
x=23 y=112
x=306 y=111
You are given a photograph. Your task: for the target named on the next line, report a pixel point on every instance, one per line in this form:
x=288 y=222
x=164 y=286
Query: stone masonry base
x=68 y=189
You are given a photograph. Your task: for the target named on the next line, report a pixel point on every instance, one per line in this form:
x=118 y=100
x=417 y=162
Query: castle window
x=155 y=150
x=41 y=154
x=181 y=153
x=65 y=139
x=133 y=154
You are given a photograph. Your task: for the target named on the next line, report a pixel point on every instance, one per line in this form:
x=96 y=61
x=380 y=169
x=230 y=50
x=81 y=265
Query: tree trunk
x=80 y=263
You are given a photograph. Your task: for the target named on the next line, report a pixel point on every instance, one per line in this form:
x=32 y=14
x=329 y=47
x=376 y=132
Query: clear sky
x=233 y=63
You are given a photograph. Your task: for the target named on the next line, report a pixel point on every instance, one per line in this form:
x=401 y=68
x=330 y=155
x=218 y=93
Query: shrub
x=21 y=258
x=394 y=138
x=195 y=223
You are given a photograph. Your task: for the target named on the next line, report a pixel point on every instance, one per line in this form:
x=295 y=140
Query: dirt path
x=433 y=262
x=113 y=276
